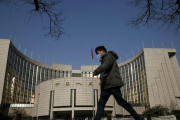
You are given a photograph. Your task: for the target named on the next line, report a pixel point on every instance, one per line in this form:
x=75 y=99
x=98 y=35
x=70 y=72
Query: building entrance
x=64 y=115
x=81 y=115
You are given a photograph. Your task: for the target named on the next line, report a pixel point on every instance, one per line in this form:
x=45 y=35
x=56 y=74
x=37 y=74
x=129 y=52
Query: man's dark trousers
x=105 y=94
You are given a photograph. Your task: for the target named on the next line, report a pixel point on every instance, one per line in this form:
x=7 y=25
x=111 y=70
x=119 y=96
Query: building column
x=96 y=104
x=73 y=104
x=64 y=74
x=51 y=105
x=37 y=106
x=114 y=109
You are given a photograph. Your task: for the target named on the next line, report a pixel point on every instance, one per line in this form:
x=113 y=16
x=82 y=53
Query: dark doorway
x=81 y=115
x=65 y=115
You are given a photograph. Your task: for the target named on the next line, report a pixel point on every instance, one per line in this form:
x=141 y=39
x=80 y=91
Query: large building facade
x=151 y=78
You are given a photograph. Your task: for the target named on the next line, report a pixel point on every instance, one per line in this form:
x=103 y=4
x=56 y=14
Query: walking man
x=111 y=82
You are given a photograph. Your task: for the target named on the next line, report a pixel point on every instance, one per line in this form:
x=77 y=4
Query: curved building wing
x=23 y=74
x=133 y=73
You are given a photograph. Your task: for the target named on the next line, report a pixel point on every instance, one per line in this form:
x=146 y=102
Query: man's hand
x=94 y=74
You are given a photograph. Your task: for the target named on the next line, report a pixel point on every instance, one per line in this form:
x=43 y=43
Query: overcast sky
x=89 y=22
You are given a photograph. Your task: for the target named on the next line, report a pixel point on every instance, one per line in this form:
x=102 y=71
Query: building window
x=76 y=74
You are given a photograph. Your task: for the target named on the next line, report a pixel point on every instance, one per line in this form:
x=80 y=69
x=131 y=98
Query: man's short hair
x=100 y=48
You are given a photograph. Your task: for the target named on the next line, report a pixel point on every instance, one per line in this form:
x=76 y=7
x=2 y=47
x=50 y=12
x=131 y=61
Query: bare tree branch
x=45 y=9
x=164 y=13
x=19 y=111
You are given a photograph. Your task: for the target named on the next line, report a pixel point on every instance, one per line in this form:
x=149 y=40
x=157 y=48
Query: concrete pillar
x=51 y=106
x=68 y=73
x=96 y=104
x=72 y=104
x=83 y=74
x=114 y=111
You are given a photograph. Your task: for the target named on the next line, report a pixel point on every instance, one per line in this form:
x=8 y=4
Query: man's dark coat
x=109 y=72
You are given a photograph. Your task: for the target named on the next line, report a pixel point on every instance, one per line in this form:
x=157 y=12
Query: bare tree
x=156 y=110
x=19 y=111
x=45 y=9
x=163 y=13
